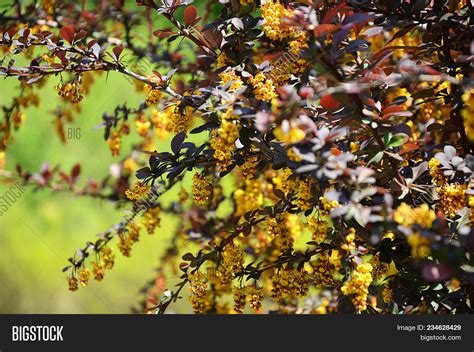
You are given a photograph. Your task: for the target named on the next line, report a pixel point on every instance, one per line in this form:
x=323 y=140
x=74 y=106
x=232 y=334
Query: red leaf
x=324 y=29
x=76 y=170
x=68 y=32
x=117 y=51
x=190 y=14
x=163 y=34
x=328 y=102
x=408 y=147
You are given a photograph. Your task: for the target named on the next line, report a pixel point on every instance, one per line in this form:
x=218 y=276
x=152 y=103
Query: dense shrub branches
x=334 y=168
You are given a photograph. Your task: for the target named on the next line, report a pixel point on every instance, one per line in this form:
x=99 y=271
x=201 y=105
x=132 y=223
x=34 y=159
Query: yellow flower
x=240 y=293
x=435 y=172
x=223 y=139
x=222 y=60
x=420 y=245
x=249 y=197
x=129 y=164
x=151 y=219
x=230 y=76
x=264 y=88
x=232 y=263
x=289 y=283
x=198 y=296
x=182 y=118
x=72 y=91
x=153 y=96
x=98 y=269
x=318 y=228
x=17 y=118
x=293 y=135
x=142 y=126
x=114 y=142
x=255 y=297
x=84 y=275
x=452 y=198
x=108 y=257
x=274 y=13
x=72 y=283
x=202 y=188
x=468 y=113
x=162 y=122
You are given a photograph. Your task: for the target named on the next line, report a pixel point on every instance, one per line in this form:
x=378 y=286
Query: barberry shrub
x=333 y=171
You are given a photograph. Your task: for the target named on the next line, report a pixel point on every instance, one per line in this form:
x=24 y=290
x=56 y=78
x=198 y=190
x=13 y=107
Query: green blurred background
x=42 y=229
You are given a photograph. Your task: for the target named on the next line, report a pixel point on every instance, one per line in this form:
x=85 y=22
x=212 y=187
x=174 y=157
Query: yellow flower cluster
x=108 y=257
x=264 y=88
x=280 y=233
x=125 y=244
x=114 y=142
x=289 y=283
x=153 y=96
x=358 y=285
x=292 y=135
x=300 y=186
x=318 y=227
x=162 y=122
x=84 y=275
x=408 y=216
x=249 y=167
x=151 y=219
x=350 y=240
x=468 y=113
x=252 y=294
x=181 y=119
x=48 y=5
x=399 y=92
x=198 y=296
x=223 y=139
x=255 y=297
x=419 y=244
x=202 y=187
x=249 y=197
x=138 y=191
x=71 y=92
x=380 y=268
x=133 y=232
x=274 y=14
x=240 y=294
x=72 y=283
x=230 y=76
x=98 y=270
x=452 y=198
x=232 y=263
x=322 y=270
x=387 y=294
x=328 y=205
x=142 y=126
x=435 y=172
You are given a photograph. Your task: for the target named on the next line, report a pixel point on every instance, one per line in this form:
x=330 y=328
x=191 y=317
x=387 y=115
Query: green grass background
x=42 y=229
